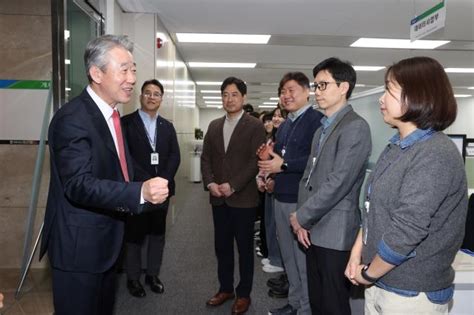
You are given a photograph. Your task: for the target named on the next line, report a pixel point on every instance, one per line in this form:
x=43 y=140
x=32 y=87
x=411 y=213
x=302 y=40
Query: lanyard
x=152 y=143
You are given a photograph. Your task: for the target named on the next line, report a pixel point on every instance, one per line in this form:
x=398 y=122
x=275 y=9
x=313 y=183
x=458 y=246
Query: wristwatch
x=284 y=166
x=366 y=277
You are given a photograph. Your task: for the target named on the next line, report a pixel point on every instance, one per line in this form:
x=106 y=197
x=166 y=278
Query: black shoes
x=155 y=284
x=277 y=294
x=278 y=287
x=278 y=281
x=285 y=310
x=135 y=288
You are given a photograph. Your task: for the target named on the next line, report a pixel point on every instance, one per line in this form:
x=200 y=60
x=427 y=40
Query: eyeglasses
x=322 y=85
x=155 y=95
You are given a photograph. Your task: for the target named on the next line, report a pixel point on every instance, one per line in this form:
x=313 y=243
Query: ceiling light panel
x=221 y=65
x=222 y=38
x=368 y=68
x=459 y=70
x=211 y=91
x=398 y=43
x=208 y=83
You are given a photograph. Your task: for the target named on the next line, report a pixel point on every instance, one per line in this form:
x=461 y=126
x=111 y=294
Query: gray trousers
x=273 y=247
x=294 y=258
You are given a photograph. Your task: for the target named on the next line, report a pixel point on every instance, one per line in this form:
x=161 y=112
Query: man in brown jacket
x=229 y=167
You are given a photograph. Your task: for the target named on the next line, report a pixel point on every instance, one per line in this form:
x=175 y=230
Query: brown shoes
x=241 y=305
x=220 y=298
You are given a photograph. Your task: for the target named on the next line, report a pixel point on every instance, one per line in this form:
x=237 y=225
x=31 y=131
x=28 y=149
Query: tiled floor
x=35 y=297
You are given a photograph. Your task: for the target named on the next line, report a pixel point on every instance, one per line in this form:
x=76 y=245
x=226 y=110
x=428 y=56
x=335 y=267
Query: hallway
x=189 y=270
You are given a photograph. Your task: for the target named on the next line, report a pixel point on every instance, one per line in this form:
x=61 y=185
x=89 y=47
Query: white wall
x=208 y=115
x=464 y=123
x=165 y=65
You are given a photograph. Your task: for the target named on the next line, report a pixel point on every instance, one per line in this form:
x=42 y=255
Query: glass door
x=82 y=23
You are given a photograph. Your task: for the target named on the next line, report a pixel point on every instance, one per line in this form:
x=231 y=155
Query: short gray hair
x=97 y=49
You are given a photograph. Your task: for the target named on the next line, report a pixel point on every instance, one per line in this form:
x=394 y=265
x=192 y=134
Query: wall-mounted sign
x=428 y=22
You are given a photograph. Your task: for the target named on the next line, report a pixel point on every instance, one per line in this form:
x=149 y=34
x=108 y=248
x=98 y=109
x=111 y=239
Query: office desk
x=463 y=302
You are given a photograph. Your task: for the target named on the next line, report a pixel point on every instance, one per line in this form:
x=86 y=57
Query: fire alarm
x=159 y=43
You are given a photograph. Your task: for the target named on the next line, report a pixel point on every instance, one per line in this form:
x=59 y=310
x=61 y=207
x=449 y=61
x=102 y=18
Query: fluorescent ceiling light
x=177 y=82
x=360 y=85
x=398 y=43
x=208 y=83
x=462 y=95
x=368 y=68
x=222 y=38
x=214 y=106
x=266 y=106
x=170 y=64
x=459 y=70
x=213 y=102
x=270 y=103
x=274 y=98
x=211 y=91
x=182 y=91
x=222 y=64
x=185 y=96
x=186 y=102
x=471 y=88
x=212 y=97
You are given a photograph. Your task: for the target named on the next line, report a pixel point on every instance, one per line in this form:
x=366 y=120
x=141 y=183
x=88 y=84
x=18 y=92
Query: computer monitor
x=460 y=141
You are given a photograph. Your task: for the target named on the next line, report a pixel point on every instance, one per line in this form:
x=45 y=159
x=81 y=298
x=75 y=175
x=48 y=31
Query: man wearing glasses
x=326 y=220
x=154 y=147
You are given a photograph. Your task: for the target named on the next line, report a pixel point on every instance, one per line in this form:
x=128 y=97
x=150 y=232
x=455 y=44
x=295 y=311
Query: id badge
x=155 y=158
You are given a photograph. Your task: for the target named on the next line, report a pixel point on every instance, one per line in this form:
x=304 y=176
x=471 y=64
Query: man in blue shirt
x=154 y=147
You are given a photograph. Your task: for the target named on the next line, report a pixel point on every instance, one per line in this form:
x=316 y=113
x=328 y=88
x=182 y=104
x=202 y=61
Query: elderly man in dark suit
x=327 y=218
x=154 y=147
x=90 y=192
x=229 y=167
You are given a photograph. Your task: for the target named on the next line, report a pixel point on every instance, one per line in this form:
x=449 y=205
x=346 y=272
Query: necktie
x=121 y=147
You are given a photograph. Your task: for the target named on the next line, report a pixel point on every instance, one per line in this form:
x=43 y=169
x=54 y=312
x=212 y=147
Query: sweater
x=418 y=206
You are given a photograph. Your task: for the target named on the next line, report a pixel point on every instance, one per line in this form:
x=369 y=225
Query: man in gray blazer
x=327 y=217
x=229 y=167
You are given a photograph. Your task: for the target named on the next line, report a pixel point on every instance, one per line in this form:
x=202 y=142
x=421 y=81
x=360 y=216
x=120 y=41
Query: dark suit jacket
x=329 y=205
x=140 y=149
x=237 y=165
x=88 y=197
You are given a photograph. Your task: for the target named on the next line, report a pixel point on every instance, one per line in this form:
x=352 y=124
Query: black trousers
x=328 y=288
x=151 y=225
x=229 y=224
x=78 y=293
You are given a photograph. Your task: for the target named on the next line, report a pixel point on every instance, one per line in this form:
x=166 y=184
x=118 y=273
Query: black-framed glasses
x=322 y=85
x=150 y=95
